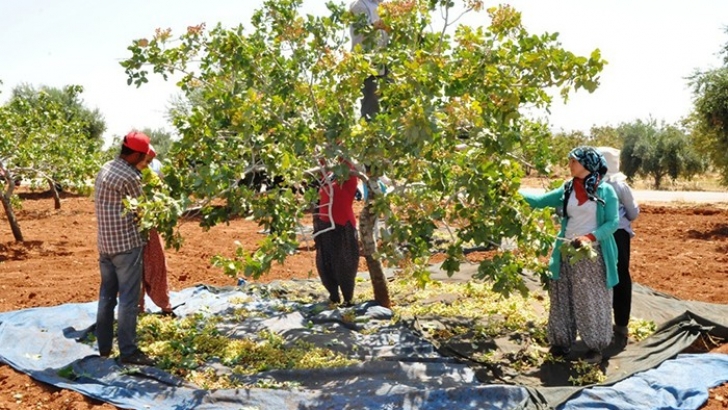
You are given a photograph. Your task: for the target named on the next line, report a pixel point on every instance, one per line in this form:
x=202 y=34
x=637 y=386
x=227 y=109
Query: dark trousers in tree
x=622 y=301
x=370 y=99
x=337 y=259
x=370 y=96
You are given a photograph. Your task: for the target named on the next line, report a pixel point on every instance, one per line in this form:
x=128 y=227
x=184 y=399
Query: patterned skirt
x=581 y=302
x=155 y=273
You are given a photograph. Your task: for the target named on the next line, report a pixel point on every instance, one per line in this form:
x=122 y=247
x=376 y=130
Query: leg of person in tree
x=622 y=300
x=325 y=255
x=348 y=262
x=155 y=273
x=370 y=99
x=120 y=274
x=142 y=292
x=107 y=303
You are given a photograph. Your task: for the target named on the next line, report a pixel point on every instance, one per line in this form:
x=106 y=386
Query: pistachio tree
x=282 y=94
x=41 y=144
x=94 y=124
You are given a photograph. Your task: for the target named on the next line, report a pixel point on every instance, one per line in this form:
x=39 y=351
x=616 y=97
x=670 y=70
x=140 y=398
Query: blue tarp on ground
x=407 y=373
x=676 y=384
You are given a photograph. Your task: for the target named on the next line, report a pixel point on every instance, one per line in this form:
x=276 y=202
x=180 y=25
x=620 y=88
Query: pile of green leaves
x=444 y=313
x=184 y=346
x=574 y=254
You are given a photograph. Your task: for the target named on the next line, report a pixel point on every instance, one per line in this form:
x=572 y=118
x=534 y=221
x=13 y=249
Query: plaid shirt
x=117 y=232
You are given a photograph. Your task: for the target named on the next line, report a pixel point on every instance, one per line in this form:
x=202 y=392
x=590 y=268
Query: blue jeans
x=120 y=274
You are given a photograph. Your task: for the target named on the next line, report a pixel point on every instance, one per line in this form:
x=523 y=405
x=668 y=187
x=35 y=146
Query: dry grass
x=705 y=183
x=702 y=183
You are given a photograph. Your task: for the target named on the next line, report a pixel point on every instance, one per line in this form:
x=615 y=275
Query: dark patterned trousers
x=337 y=259
x=581 y=301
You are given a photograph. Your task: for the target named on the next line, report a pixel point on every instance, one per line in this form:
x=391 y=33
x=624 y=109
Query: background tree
x=709 y=120
x=605 y=136
x=656 y=151
x=41 y=143
x=161 y=140
x=283 y=95
x=93 y=122
x=563 y=142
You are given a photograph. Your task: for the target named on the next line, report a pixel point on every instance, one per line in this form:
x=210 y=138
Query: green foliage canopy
x=282 y=95
x=39 y=139
x=710 y=116
x=92 y=122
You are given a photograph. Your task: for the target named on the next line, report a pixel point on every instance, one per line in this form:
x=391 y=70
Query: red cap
x=137 y=141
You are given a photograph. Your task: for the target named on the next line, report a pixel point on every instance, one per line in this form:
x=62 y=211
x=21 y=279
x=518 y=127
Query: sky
x=651 y=46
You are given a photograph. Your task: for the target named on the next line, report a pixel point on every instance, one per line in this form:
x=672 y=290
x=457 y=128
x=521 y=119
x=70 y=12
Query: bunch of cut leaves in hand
x=574 y=251
x=156 y=209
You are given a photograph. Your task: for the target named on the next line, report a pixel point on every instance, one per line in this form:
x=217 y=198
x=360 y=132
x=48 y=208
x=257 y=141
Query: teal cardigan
x=607 y=221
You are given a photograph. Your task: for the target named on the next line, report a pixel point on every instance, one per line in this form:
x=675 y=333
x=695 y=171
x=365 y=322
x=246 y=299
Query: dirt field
x=681 y=250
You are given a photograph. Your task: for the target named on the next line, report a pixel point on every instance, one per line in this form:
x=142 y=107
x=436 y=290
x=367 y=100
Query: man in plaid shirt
x=120 y=250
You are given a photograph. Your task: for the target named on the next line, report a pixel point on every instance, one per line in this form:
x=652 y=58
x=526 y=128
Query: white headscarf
x=612 y=157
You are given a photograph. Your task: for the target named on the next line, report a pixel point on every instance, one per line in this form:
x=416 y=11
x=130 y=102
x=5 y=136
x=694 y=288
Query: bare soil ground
x=680 y=249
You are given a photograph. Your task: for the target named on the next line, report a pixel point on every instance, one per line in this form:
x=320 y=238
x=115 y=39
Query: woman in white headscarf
x=628 y=212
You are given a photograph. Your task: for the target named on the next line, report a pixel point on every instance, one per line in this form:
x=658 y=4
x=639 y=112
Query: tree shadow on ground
x=718 y=231
x=17 y=251
x=47 y=194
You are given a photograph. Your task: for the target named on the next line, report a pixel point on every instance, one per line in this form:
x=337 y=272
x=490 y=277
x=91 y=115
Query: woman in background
x=628 y=212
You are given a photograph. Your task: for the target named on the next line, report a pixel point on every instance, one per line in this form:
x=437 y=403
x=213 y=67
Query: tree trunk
x=658 y=181
x=367 y=220
x=56 y=197
x=5 y=198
